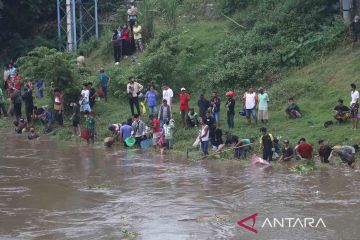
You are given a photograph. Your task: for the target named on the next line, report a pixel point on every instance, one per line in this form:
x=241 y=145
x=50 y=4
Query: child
x=168 y=135
x=39 y=85
x=75 y=118
x=84 y=104
x=32 y=135
x=90 y=125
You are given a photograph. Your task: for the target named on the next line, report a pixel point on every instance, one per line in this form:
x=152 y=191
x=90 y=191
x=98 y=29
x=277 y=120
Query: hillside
x=316 y=88
x=213 y=54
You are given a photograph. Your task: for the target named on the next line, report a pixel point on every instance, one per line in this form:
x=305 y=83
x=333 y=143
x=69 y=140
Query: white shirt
x=80 y=61
x=206 y=137
x=250 y=100
x=168 y=94
x=354 y=96
x=85 y=93
x=6 y=74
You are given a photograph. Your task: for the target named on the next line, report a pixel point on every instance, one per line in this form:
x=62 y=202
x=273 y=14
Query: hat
x=286 y=141
x=183 y=89
x=230 y=94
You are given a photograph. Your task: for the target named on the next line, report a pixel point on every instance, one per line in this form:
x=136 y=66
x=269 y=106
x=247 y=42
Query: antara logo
x=287 y=222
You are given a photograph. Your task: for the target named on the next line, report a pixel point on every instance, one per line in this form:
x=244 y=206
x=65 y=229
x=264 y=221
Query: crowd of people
x=161 y=130
x=127 y=38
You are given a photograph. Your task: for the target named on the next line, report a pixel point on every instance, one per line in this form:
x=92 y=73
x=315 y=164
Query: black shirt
x=287 y=152
x=233 y=140
x=324 y=153
x=355 y=27
x=230 y=104
x=341 y=108
x=210 y=121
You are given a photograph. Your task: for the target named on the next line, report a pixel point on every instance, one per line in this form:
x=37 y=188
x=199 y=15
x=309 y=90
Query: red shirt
x=17 y=80
x=125 y=35
x=156 y=125
x=305 y=150
x=184 y=101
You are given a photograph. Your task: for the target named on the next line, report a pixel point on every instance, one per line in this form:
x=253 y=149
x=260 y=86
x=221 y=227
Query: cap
x=286 y=141
x=230 y=94
x=183 y=89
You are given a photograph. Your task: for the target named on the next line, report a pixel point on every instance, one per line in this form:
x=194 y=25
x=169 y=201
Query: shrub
x=56 y=69
x=280 y=34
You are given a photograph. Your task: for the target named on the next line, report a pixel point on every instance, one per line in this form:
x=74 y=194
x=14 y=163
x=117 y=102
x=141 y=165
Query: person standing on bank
x=104 y=82
x=126 y=41
x=116 y=42
x=138 y=37
x=184 y=105
x=230 y=106
x=251 y=101
x=215 y=107
x=355 y=30
x=354 y=106
x=266 y=144
x=151 y=99
x=134 y=89
x=168 y=94
x=204 y=136
x=264 y=99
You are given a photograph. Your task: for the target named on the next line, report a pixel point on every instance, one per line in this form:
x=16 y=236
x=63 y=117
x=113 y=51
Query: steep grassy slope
x=315 y=87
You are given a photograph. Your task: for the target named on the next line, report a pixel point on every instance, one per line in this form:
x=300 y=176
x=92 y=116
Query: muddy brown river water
x=52 y=190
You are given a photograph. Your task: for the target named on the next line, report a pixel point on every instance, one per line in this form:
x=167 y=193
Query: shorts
x=251 y=112
x=156 y=137
x=75 y=123
x=168 y=144
x=354 y=109
x=263 y=115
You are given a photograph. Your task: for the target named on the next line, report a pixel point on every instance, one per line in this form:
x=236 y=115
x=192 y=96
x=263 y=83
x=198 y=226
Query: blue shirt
x=104 y=79
x=125 y=131
x=151 y=99
x=48 y=116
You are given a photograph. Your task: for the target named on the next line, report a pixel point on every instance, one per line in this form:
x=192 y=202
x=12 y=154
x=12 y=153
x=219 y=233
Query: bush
x=279 y=34
x=56 y=69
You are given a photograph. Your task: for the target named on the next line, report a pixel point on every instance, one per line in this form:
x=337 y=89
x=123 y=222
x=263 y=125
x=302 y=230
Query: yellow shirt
x=137 y=32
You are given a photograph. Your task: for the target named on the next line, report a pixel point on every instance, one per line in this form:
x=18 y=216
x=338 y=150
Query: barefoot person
x=354 y=106
x=346 y=154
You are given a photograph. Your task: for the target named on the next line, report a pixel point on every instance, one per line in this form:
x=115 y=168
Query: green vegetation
x=280 y=37
x=304 y=167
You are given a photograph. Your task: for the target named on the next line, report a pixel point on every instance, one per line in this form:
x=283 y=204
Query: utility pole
x=346 y=9
x=73 y=15
x=69 y=26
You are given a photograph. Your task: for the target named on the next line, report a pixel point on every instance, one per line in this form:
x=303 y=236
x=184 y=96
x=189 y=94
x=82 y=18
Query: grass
x=316 y=89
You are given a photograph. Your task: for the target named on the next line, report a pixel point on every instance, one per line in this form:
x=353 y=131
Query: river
x=52 y=190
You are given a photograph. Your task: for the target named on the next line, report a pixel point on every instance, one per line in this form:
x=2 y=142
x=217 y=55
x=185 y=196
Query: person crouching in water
x=32 y=135
x=346 y=154
x=20 y=125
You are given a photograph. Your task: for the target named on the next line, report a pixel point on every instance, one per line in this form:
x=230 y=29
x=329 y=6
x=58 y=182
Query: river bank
x=62 y=190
